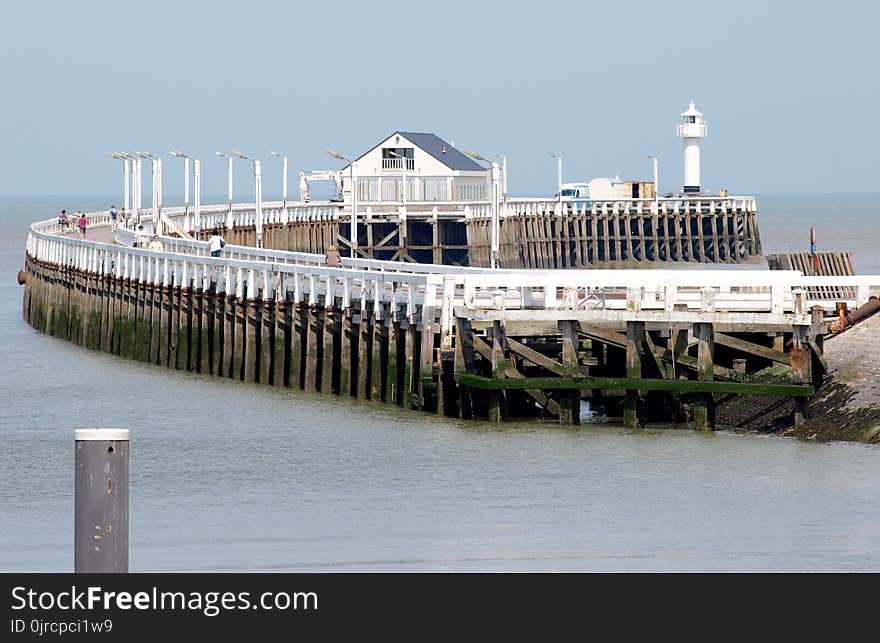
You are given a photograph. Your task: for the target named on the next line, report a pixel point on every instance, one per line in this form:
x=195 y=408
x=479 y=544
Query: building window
x=393 y=158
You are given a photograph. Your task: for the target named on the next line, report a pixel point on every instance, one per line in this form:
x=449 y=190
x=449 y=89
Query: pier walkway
x=465 y=341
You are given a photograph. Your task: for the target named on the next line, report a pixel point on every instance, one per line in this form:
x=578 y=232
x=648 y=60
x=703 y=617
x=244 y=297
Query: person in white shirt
x=215 y=243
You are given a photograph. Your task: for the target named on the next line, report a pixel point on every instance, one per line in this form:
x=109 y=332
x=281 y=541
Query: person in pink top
x=81 y=223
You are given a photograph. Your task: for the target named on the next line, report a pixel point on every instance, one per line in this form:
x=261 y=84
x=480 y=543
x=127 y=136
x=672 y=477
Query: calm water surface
x=227 y=476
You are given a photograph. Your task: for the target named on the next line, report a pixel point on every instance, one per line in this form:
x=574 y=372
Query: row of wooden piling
x=373 y=350
x=313 y=236
x=584 y=239
x=542 y=241
x=367 y=351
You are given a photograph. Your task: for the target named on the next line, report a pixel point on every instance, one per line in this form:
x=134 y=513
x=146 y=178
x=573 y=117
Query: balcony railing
x=397 y=164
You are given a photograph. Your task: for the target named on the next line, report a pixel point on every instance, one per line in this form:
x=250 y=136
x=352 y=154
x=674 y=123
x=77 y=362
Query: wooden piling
x=239 y=331
x=570 y=401
x=377 y=354
x=175 y=325
x=498 y=410
x=280 y=343
x=801 y=371
x=252 y=341
x=205 y=331
x=227 y=362
x=365 y=344
x=632 y=406
x=297 y=344
x=464 y=363
x=393 y=377
x=330 y=361
x=347 y=348
x=266 y=326
x=704 y=403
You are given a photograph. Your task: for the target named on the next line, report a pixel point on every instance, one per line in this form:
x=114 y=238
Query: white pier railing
x=275 y=212
x=613 y=295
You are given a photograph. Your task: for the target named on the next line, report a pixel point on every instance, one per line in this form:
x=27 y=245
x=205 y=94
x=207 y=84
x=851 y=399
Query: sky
x=789 y=90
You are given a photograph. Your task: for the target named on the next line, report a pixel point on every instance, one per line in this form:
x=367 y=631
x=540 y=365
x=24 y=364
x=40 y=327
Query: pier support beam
x=330 y=359
x=392 y=371
x=313 y=320
x=801 y=371
x=570 y=401
x=252 y=321
x=365 y=344
x=633 y=411
x=704 y=403
x=347 y=338
x=464 y=363
x=498 y=410
x=229 y=305
x=297 y=341
x=377 y=352
x=409 y=369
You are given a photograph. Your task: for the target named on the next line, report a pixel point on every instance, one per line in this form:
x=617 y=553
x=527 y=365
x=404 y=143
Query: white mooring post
x=101 y=501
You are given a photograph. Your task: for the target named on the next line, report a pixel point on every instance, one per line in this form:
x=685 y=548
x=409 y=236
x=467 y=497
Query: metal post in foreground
x=101 y=501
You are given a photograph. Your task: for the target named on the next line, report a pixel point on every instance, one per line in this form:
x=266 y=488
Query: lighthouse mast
x=691 y=131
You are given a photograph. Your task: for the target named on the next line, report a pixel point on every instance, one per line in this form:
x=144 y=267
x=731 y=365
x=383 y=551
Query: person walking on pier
x=215 y=243
x=140 y=239
x=114 y=216
x=81 y=223
x=63 y=221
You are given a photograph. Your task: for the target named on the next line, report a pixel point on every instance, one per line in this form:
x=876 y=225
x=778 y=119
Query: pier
x=532 y=233
x=647 y=345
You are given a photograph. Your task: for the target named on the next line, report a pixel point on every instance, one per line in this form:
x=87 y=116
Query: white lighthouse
x=691 y=131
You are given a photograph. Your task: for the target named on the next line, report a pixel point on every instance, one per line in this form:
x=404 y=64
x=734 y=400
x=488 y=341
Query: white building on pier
x=414 y=166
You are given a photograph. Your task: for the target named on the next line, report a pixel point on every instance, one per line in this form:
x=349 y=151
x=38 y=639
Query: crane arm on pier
x=319 y=175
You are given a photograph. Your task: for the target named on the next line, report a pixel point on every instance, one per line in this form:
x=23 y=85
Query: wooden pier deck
x=471 y=342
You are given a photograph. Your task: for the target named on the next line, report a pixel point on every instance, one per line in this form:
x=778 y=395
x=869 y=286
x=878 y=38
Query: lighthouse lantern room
x=691 y=131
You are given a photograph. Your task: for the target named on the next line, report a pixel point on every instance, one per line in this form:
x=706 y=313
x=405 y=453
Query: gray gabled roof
x=444 y=152
x=439 y=149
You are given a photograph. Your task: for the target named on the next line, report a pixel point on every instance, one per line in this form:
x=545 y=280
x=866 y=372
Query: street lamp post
x=229 y=180
x=284 y=216
x=126 y=176
x=156 y=171
x=558 y=176
x=503 y=175
x=197 y=187
x=353 y=231
x=258 y=181
x=656 y=183
x=495 y=175
x=136 y=189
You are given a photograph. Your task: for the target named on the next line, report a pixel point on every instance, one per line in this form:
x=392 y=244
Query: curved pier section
x=533 y=233
x=470 y=342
